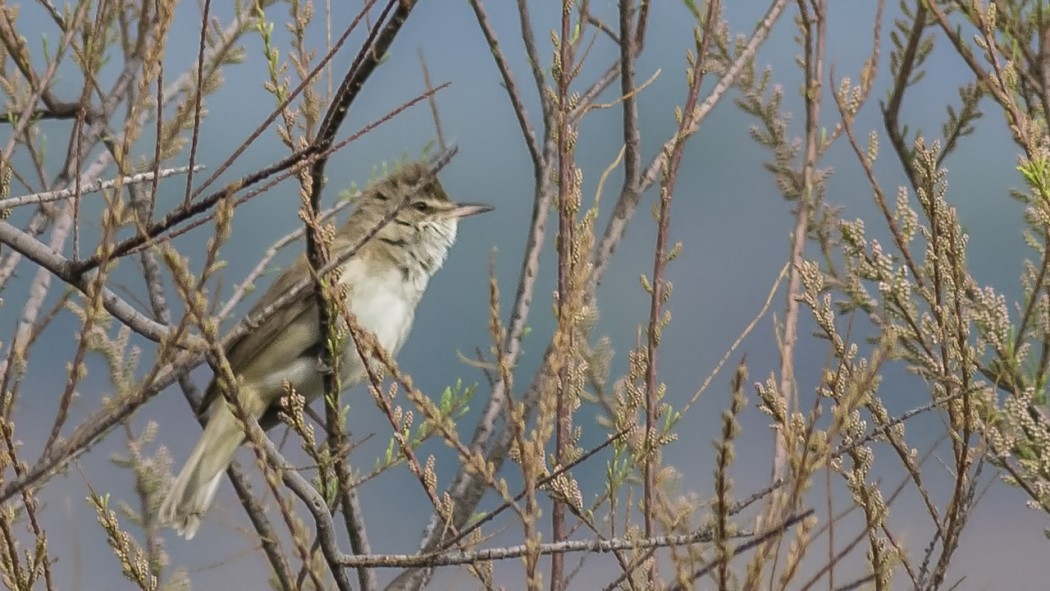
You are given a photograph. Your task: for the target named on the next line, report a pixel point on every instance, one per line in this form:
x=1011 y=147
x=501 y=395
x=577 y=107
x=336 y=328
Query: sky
x=727 y=212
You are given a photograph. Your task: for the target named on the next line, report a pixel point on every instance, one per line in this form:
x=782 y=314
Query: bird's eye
x=421 y=206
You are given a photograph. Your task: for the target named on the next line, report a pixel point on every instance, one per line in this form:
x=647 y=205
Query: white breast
x=384 y=303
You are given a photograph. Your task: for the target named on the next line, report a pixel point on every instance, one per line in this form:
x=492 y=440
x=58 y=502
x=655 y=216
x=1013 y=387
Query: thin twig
x=94 y=186
x=628 y=202
x=590 y=546
x=513 y=93
x=771 y=534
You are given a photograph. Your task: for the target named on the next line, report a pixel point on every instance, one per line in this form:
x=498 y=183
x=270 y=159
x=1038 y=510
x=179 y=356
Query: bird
x=383 y=282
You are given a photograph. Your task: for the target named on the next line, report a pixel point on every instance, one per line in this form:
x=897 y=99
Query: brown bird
x=384 y=280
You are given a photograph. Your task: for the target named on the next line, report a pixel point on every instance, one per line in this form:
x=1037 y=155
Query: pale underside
x=383 y=283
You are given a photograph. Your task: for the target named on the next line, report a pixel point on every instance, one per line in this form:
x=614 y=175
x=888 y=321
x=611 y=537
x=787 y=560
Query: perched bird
x=384 y=281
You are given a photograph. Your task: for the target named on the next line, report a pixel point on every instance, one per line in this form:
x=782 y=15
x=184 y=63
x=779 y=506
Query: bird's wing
x=250 y=355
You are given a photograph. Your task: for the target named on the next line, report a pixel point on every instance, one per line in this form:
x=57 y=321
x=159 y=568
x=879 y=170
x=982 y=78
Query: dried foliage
x=889 y=292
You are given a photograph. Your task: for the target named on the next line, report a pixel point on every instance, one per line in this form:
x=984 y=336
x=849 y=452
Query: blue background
x=727 y=211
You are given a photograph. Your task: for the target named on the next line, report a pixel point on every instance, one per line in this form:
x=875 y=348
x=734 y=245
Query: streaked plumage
x=385 y=280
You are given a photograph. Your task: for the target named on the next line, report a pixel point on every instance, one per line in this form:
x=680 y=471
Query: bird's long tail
x=194 y=489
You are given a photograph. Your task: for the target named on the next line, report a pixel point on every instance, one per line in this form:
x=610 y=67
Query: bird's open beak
x=463 y=210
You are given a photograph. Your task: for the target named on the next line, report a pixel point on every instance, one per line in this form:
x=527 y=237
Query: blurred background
x=727 y=212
